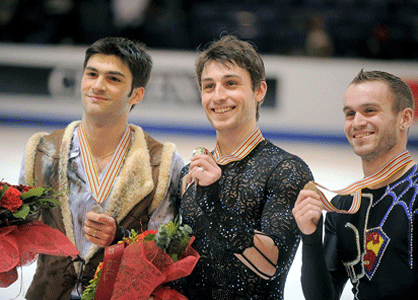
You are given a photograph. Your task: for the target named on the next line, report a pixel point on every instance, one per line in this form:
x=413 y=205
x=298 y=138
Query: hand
x=308 y=211
x=99 y=229
x=203 y=171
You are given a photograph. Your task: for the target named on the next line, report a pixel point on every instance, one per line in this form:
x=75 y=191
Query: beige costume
x=142 y=184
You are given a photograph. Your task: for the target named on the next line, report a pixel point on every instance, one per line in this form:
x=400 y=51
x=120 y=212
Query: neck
x=370 y=167
x=229 y=142
x=103 y=138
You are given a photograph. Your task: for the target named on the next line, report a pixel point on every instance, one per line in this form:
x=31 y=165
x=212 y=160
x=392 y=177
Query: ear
x=261 y=91
x=137 y=95
x=406 y=118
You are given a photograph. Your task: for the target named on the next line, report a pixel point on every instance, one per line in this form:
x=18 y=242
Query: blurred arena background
x=311 y=48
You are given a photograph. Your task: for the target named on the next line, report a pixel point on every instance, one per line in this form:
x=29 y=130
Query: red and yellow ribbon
x=391 y=168
x=100 y=191
x=242 y=151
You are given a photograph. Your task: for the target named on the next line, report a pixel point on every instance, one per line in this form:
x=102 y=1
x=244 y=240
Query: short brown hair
x=230 y=50
x=402 y=93
x=130 y=52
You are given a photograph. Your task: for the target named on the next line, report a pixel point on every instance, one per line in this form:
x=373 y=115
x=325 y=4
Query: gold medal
x=198 y=150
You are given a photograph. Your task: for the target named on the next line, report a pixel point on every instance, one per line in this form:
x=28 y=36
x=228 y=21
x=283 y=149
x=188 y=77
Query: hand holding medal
x=311 y=200
x=99 y=228
x=308 y=209
x=203 y=169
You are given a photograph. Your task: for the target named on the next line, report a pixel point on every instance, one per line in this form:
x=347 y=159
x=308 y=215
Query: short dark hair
x=230 y=50
x=402 y=93
x=131 y=52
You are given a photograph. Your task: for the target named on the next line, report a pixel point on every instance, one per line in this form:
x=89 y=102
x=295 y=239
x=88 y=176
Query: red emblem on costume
x=376 y=243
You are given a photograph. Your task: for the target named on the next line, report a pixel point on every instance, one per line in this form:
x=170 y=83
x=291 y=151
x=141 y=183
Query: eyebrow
x=110 y=72
x=223 y=77
x=368 y=104
x=345 y=108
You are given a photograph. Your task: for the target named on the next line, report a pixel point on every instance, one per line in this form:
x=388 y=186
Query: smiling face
x=106 y=88
x=371 y=125
x=228 y=98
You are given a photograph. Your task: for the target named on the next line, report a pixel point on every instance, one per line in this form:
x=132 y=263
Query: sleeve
x=283 y=187
x=277 y=221
x=318 y=281
x=165 y=211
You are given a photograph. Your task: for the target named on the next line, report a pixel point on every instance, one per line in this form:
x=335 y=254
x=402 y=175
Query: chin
x=366 y=154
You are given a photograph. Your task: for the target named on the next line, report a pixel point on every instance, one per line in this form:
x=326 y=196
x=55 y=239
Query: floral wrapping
x=139 y=266
x=22 y=237
x=144 y=269
x=19 y=245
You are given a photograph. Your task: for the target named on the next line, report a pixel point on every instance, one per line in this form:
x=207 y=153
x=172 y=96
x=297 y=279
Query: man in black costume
x=372 y=247
x=238 y=198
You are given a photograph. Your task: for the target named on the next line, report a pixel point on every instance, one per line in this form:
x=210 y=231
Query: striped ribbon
x=392 y=167
x=242 y=151
x=100 y=191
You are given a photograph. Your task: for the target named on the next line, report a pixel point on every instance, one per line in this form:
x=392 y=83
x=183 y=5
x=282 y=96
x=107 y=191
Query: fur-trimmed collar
x=133 y=185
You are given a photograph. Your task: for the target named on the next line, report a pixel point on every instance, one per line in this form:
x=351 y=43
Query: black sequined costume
x=374 y=247
x=255 y=193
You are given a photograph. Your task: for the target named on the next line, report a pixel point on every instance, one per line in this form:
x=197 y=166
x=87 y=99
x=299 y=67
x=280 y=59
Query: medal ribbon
x=100 y=191
x=242 y=151
x=392 y=167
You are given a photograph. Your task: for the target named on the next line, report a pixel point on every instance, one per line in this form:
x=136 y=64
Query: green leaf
x=174 y=257
x=23 y=212
x=50 y=201
x=36 y=192
x=4 y=189
x=150 y=237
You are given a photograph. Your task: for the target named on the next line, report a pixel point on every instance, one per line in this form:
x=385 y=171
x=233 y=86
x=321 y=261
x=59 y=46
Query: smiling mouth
x=96 y=98
x=361 y=135
x=222 y=110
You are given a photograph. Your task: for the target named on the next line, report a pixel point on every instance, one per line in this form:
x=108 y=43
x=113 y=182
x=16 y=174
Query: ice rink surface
x=334 y=166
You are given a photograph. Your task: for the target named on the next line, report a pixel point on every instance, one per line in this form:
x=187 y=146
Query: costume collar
x=242 y=151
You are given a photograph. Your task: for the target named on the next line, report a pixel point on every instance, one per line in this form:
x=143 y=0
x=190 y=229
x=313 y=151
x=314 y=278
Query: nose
x=359 y=120
x=98 y=84
x=219 y=93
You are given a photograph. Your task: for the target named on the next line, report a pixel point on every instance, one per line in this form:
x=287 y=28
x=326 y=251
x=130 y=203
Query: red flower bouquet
x=139 y=267
x=22 y=237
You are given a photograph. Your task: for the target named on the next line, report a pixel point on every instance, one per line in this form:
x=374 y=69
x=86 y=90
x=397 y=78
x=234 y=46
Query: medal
x=198 y=150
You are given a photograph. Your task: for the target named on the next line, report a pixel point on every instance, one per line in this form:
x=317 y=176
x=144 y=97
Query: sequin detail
x=376 y=244
x=255 y=193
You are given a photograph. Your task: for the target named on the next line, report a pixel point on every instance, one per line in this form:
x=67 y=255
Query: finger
x=194 y=172
x=95 y=240
x=205 y=161
x=188 y=179
x=304 y=195
x=99 y=219
x=93 y=217
x=309 y=216
x=309 y=209
x=92 y=232
x=200 y=165
x=204 y=166
x=98 y=237
x=307 y=220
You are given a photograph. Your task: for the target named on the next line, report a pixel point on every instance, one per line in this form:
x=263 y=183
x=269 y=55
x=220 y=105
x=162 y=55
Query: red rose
x=11 y=199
